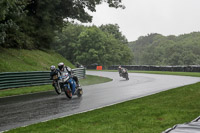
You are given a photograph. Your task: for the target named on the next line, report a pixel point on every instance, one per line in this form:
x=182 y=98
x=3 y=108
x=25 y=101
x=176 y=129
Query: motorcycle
x=124 y=74
x=65 y=82
x=56 y=85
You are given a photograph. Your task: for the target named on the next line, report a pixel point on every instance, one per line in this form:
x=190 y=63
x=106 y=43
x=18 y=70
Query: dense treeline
x=104 y=45
x=156 y=49
x=31 y=24
x=40 y=24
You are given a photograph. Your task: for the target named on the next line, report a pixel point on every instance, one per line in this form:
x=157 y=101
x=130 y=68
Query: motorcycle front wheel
x=68 y=92
x=127 y=78
x=57 y=89
x=79 y=92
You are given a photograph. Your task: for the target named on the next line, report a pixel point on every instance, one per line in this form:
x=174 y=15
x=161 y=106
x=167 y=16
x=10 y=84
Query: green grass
x=18 y=60
x=25 y=90
x=151 y=114
x=89 y=80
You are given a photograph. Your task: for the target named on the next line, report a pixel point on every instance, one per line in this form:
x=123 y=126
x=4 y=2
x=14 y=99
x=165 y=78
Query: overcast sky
x=141 y=17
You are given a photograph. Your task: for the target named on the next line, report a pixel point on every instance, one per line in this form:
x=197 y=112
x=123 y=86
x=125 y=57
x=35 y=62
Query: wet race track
x=28 y=109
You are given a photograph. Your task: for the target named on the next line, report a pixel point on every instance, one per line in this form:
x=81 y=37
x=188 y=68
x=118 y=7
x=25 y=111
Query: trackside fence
x=33 y=78
x=190 y=68
x=79 y=72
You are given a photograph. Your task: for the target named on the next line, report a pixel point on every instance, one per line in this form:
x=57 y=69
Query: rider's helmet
x=120 y=67
x=53 y=68
x=61 y=65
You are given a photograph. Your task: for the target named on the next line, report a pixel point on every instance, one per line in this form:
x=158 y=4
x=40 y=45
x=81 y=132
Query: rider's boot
x=77 y=83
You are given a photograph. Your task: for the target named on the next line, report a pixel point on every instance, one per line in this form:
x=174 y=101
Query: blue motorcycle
x=68 y=85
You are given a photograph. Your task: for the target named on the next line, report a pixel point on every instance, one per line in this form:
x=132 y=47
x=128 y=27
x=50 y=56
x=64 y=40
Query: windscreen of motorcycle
x=65 y=76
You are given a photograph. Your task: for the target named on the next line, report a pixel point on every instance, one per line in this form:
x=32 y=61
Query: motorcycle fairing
x=71 y=85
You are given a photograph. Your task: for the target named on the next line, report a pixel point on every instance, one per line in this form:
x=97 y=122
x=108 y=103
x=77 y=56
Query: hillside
x=18 y=60
x=156 y=49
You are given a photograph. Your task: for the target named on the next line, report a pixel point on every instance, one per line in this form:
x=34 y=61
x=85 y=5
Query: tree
x=11 y=14
x=113 y=29
x=91 y=46
x=65 y=42
x=88 y=45
x=155 y=49
x=32 y=23
x=96 y=46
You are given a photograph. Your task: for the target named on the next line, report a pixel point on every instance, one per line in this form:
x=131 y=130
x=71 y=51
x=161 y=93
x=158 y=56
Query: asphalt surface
x=28 y=109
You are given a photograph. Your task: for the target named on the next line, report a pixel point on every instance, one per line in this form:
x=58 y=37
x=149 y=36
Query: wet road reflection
x=29 y=109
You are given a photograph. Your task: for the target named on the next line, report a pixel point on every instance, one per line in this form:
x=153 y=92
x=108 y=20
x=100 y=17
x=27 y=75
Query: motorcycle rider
x=120 y=69
x=63 y=68
x=53 y=71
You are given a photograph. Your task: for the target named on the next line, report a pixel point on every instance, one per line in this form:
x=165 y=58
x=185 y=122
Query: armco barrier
x=190 y=68
x=22 y=79
x=79 y=72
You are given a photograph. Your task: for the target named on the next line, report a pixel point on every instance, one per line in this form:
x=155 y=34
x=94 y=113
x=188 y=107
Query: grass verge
x=20 y=60
x=89 y=80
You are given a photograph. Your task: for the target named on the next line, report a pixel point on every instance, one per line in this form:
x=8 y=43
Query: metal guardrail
x=79 y=72
x=189 y=68
x=22 y=79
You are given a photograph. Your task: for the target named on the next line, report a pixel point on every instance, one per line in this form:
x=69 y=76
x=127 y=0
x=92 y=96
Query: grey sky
x=141 y=17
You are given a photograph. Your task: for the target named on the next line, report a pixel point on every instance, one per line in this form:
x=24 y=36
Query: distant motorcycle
x=65 y=82
x=124 y=73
